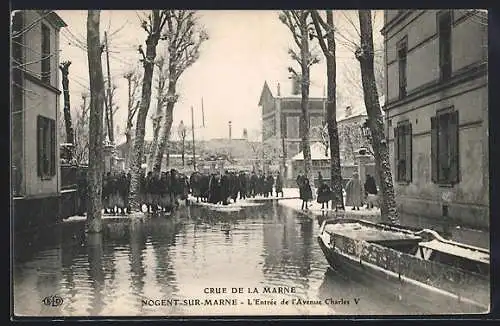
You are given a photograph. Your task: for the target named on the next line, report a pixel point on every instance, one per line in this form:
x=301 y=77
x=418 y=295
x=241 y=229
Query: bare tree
x=82 y=132
x=325 y=30
x=184 y=37
x=161 y=99
x=365 y=54
x=297 y=23
x=94 y=176
x=110 y=110
x=64 y=67
x=153 y=26
x=133 y=80
x=182 y=132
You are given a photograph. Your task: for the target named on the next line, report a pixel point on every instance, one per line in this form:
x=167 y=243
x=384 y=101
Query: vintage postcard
x=248 y=163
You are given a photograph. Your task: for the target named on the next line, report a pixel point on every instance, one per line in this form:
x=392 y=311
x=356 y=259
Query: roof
x=53 y=18
x=265 y=90
x=317 y=153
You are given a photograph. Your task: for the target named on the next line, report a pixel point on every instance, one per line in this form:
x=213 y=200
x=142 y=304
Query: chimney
x=296 y=87
x=245 y=133
x=348 y=111
x=229 y=130
x=278 y=93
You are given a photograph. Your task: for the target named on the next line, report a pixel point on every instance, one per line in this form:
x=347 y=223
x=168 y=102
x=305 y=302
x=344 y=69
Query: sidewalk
x=472 y=237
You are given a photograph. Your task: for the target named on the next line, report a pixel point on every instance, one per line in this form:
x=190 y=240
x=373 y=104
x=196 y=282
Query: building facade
x=436 y=112
x=281 y=119
x=35 y=109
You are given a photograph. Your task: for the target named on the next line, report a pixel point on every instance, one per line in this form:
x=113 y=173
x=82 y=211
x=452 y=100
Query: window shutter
x=396 y=153
x=408 y=152
x=39 y=146
x=434 y=149
x=453 y=147
x=52 y=126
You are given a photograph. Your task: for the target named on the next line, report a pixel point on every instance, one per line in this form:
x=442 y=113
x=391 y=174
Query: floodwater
x=190 y=264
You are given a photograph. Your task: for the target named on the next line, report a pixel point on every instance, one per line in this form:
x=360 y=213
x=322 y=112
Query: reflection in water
x=136 y=257
x=177 y=257
x=95 y=272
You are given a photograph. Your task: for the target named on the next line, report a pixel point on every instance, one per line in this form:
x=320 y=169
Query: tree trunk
x=331 y=116
x=94 y=176
x=167 y=127
x=169 y=117
x=375 y=120
x=156 y=131
x=183 y=149
x=70 y=137
x=304 y=104
x=138 y=149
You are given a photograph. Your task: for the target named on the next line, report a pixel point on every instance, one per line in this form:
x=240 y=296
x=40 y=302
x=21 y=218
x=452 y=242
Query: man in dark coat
x=320 y=179
x=300 y=183
x=243 y=185
x=279 y=185
x=253 y=184
x=82 y=191
x=370 y=191
x=269 y=185
x=213 y=189
x=225 y=186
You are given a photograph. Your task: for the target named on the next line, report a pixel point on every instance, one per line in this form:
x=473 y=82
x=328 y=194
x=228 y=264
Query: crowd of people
x=356 y=195
x=161 y=192
x=221 y=187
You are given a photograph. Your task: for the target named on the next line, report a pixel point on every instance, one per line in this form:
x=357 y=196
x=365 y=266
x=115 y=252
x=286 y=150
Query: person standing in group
x=324 y=194
x=278 y=185
x=253 y=184
x=305 y=193
x=300 y=182
x=371 y=191
x=320 y=179
x=354 y=192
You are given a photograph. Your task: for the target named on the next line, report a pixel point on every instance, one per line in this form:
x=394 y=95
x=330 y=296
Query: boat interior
x=425 y=244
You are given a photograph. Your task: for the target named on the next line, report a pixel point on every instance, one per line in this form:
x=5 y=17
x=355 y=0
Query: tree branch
x=316 y=21
x=286 y=19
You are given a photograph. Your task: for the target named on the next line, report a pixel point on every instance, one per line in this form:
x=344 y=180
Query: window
x=292 y=127
x=444 y=32
x=45 y=54
x=46 y=147
x=403 y=151
x=402 y=55
x=444 y=147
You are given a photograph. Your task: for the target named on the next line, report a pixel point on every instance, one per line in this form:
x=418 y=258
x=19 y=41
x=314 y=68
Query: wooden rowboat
x=420 y=265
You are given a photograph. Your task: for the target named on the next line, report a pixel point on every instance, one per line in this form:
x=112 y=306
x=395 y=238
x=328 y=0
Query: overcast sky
x=245 y=49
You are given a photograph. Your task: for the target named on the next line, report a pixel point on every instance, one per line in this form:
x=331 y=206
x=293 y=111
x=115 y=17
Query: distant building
x=349 y=123
x=35 y=170
x=281 y=117
x=437 y=112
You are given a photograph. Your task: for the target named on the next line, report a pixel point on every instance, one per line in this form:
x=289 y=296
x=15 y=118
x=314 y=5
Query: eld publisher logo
x=52 y=301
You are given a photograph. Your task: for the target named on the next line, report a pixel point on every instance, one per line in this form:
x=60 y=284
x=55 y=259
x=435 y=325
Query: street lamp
x=365 y=130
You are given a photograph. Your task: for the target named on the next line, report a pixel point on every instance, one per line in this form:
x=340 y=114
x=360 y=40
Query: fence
x=68 y=176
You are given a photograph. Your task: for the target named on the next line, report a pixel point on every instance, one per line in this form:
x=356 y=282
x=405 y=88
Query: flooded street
x=190 y=264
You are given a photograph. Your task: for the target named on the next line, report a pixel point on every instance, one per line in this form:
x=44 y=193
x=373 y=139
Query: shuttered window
x=402 y=66
x=444 y=147
x=403 y=152
x=46 y=55
x=46 y=147
x=444 y=32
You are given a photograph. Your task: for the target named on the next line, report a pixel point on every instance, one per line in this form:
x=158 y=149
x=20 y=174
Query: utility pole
x=192 y=132
x=283 y=148
x=109 y=103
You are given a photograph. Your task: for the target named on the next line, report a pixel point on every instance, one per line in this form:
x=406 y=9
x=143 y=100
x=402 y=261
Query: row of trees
x=305 y=26
x=183 y=36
